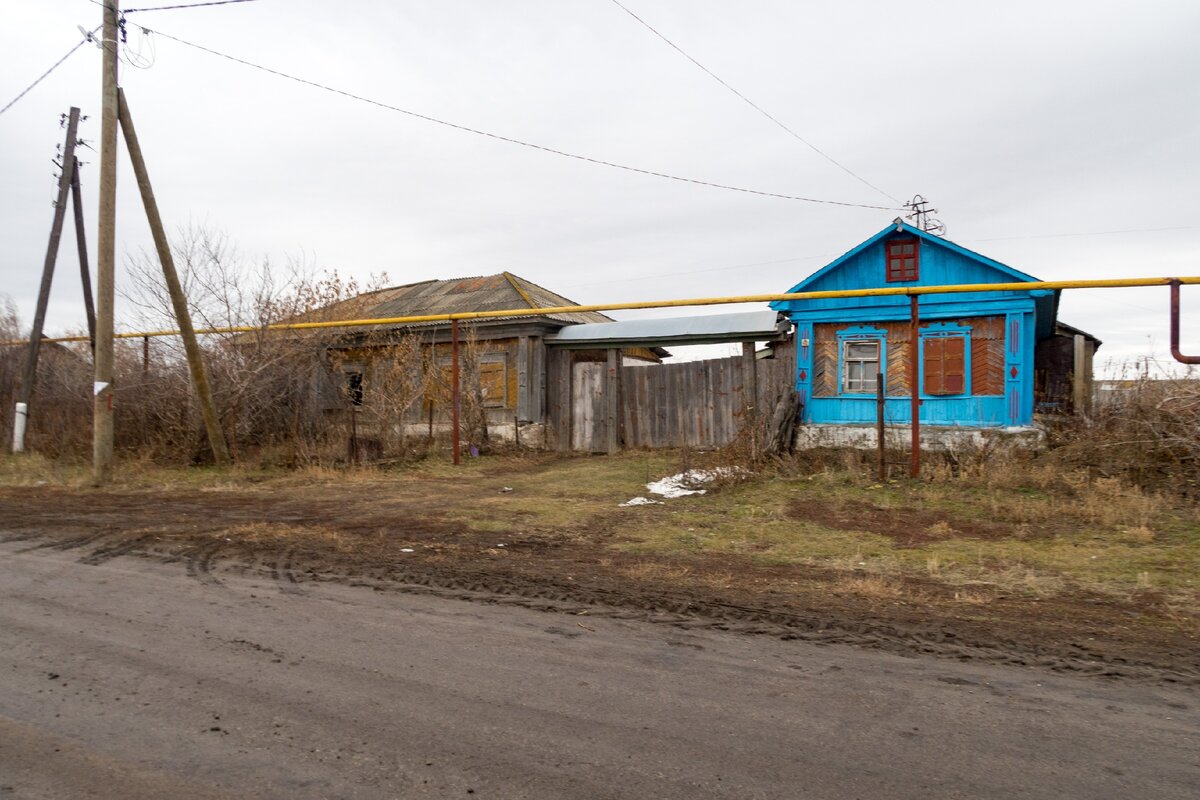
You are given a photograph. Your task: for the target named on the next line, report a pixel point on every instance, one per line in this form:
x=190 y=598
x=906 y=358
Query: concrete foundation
x=863 y=437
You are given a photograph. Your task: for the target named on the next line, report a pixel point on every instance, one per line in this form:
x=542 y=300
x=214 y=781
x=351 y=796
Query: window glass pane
x=862 y=350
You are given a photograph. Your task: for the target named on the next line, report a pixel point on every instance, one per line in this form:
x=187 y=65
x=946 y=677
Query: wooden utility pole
x=183 y=318
x=85 y=275
x=106 y=254
x=29 y=376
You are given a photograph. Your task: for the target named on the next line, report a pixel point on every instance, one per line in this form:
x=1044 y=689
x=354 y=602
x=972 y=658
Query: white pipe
x=19 y=428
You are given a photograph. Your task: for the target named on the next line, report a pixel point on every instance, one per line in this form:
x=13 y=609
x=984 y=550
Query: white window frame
x=865 y=384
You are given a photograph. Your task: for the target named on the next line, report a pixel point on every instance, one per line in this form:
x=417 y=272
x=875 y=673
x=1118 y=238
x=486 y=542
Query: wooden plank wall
x=691 y=404
x=558 y=399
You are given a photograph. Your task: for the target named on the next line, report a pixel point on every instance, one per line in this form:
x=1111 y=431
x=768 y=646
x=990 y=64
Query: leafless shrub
x=475 y=385
x=10 y=364
x=275 y=392
x=1145 y=433
x=383 y=386
x=60 y=411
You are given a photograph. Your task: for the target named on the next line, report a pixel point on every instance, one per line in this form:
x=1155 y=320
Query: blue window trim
x=944 y=330
x=856 y=333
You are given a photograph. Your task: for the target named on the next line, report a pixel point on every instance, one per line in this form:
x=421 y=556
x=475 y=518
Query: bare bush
x=274 y=390
x=60 y=409
x=383 y=380
x=1146 y=433
x=10 y=364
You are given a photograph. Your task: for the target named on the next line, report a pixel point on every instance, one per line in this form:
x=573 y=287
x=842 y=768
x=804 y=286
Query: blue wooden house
x=976 y=351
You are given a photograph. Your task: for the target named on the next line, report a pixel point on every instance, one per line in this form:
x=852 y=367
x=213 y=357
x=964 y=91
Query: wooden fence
x=598 y=406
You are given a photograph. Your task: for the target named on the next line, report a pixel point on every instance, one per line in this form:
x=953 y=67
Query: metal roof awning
x=748 y=326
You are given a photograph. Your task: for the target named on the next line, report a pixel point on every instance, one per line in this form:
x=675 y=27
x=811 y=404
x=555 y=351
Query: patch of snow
x=683 y=484
x=640 y=501
x=406 y=550
x=686 y=483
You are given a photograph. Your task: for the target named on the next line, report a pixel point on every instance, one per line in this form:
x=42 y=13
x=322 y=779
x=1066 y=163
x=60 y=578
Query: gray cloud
x=1018 y=120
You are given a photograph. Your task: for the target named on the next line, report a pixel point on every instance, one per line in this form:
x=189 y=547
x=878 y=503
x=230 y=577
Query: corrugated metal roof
x=459 y=295
x=742 y=327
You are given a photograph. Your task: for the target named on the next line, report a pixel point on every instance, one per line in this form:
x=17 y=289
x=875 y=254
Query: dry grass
x=1013 y=531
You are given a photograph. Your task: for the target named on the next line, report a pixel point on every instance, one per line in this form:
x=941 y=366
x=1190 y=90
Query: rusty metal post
x=145 y=356
x=454 y=392
x=355 y=454
x=914 y=469
x=1178 y=356
x=879 y=401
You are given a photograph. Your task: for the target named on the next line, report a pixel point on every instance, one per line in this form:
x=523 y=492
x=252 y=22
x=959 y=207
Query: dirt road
x=124 y=677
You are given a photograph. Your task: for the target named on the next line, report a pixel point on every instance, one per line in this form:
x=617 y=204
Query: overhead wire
x=173 y=7
x=53 y=67
x=1083 y=233
x=186 y=5
x=755 y=106
x=510 y=139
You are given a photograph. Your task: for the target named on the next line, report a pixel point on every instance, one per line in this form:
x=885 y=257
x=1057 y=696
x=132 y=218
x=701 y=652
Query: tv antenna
x=921 y=215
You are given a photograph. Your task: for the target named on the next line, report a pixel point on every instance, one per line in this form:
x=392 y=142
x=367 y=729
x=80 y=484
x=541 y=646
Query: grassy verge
x=1013 y=531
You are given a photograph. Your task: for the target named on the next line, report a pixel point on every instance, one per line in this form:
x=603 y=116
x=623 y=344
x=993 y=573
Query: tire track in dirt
x=122 y=548
x=69 y=543
x=199 y=564
x=688 y=613
x=697 y=613
x=283 y=573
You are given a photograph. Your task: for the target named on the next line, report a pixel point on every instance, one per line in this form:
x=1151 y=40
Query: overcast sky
x=1061 y=138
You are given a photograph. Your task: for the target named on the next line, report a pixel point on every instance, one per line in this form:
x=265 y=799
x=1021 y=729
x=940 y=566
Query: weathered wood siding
x=691 y=404
x=987 y=356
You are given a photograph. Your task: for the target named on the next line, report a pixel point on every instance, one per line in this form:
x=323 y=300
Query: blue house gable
x=975 y=350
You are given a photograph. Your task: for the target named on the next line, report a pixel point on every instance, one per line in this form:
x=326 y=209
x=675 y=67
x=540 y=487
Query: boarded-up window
x=903 y=256
x=493 y=380
x=945 y=364
x=860 y=365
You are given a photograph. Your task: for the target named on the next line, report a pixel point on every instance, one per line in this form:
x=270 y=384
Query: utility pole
x=208 y=409
x=106 y=254
x=29 y=375
x=85 y=275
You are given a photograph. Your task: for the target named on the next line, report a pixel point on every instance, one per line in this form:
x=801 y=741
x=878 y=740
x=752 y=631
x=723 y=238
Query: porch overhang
x=747 y=326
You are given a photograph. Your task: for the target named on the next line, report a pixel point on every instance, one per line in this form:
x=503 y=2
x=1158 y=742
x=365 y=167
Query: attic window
x=903 y=256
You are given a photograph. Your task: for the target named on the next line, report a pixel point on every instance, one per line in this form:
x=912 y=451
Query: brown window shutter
x=945 y=365
x=933 y=366
x=954 y=365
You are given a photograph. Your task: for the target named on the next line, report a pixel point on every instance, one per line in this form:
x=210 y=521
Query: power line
x=509 y=139
x=53 y=67
x=177 y=6
x=755 y=106
x=723 y=268
x=186 y=5
x=727 y=267
x=1084 y=233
